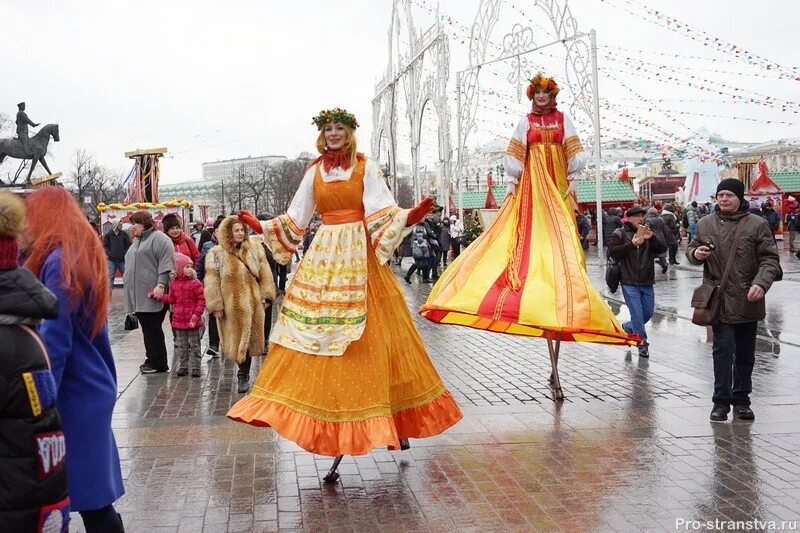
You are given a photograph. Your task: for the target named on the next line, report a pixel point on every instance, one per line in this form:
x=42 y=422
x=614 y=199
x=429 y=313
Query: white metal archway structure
x=408 y=68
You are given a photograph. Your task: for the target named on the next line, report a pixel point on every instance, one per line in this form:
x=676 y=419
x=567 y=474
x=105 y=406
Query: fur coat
x=238 y=281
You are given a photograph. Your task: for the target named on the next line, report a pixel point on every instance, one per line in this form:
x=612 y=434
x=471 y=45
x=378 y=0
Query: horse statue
x=37 y=148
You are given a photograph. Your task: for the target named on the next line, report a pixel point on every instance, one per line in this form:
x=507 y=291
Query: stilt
x=333 y=475
x=554 y=347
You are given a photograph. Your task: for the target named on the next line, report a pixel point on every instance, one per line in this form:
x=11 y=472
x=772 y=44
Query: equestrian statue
x=23 y=147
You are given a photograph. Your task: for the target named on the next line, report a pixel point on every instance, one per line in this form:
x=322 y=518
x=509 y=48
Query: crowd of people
x=433 y=243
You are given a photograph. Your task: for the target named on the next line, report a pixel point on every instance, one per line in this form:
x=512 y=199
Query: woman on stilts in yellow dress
x=525 y=274
x=346 y=369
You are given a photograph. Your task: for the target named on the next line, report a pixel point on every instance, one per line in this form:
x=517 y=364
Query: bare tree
x=405 y=194
x=257 y=185
x=107 y=186
x=82 y=172
x=285 y=182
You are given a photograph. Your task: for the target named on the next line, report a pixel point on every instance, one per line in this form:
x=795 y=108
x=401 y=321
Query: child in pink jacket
x=187 y=300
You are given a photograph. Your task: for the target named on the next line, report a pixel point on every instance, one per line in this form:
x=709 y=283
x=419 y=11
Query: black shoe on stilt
x=333 y=476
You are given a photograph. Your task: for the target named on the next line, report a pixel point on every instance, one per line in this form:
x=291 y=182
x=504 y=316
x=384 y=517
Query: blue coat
x=87 y=390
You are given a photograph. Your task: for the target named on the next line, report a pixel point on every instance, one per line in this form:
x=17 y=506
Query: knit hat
x=209 y=222
x=170 y=221
x=12 y=221
x=732 y=185
x=181 y=260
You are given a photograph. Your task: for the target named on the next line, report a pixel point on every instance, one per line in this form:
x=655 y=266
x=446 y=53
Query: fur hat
x=181 y=260
x=12 y=222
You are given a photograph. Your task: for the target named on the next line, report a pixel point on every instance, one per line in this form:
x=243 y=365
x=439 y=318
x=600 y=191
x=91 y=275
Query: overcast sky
x=217 y=80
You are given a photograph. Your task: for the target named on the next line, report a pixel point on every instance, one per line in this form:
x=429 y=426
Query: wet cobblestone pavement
x=630 y=449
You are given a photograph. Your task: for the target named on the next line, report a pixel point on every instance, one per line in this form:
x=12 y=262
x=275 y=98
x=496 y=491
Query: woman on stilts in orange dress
x=525 y=274
x=346 y=370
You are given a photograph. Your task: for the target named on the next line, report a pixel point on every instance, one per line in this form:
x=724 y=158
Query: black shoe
x=644 y=351
x=408 y=280
x=214 y=353
x=147 y=369
x=196 y=373
x=244 y=385
x=719 y=413
x=664 y=268
x=182 y=372
x=743 y=412
x=425 y=280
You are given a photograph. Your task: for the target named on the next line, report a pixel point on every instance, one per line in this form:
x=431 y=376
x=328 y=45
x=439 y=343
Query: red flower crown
x=540 y=81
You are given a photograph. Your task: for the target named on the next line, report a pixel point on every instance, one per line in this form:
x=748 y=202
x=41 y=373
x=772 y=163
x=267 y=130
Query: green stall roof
x=787 y=181
x=611 y=191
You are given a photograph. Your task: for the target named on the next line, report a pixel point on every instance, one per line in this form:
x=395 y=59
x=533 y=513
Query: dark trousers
x=153 y=333
x=456 y=246
x=103 y=520
x=673 y=253
x=283 y=272
x=244 y=368
x=434 y=264
x=213 y=332
x=734 y=355
x=267 y=325
x=423 y=265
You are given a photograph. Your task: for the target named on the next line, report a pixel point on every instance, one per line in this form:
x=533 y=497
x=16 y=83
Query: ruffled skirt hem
x=358 y=437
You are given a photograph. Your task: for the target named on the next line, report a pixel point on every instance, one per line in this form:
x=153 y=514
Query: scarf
x=335 y=158
x=544 y=110
x=179 y=239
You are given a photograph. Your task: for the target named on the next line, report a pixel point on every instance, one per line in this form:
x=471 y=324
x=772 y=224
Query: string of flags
x=668 y=22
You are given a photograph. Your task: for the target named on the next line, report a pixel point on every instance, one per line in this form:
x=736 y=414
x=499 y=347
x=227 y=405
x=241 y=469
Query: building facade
x=227 y=169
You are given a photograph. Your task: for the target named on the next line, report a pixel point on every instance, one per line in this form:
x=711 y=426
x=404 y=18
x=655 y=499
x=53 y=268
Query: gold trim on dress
x=516 y=149
x=572 y=146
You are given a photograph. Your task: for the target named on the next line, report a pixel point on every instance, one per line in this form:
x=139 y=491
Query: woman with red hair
x=69 y=260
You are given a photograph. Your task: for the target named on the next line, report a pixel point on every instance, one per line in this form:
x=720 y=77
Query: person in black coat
x=659 y=227
x=33 y=474
x=584 y=229
x=433 y=225
x=611 y=222
x=444 y=241
x=273 y=266
x=116 y=243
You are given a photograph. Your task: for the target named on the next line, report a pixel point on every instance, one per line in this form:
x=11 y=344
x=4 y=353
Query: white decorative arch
x=408 y=66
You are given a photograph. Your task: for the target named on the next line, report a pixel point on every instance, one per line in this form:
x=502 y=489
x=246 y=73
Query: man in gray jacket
x=755 y=268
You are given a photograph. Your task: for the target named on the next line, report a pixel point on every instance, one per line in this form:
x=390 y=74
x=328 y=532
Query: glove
x=247 y=217
x=193 y=321
x=417 y=213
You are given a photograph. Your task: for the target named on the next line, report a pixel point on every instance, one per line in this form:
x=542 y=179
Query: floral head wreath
x=336 y=114
x=540 y=81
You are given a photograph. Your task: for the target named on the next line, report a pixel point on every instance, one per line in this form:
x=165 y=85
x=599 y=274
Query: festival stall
x=111 y=213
